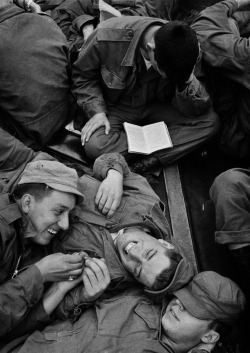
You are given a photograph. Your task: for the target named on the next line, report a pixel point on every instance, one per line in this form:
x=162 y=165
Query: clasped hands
x=92 y=272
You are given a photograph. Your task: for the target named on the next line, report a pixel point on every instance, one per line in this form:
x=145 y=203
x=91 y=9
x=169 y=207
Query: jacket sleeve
x=222 y=47
x=110 y=161
x=86 y=75
x=18 y=296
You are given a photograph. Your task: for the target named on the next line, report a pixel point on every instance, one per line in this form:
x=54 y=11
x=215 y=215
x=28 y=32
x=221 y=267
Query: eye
x=58 y=213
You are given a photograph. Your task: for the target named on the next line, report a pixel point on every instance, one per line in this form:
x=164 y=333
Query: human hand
x=243 y=5
x=59 y=267
x=96 y=279
x=98 y=120
x=35 y=8
x=87 y=30
x=109 y=194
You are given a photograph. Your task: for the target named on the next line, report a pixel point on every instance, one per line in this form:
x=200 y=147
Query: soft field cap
x=210 y=296
x=183 y=274
x=54 y=174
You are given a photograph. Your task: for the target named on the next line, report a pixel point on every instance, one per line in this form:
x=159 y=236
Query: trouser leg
x=230 y=194
x=100 y=143
x=187 y=134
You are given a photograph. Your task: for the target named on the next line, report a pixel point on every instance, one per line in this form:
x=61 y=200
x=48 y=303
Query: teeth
x=52 y=231
x=129 y=246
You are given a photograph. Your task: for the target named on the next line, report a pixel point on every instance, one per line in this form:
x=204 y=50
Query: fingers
x=107 y=127
x=87 y=131
x=96 y=278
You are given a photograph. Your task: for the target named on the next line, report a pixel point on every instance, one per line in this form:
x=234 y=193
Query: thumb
x=107 y=127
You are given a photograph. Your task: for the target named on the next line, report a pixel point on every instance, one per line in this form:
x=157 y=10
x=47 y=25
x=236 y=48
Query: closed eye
x=151 y=253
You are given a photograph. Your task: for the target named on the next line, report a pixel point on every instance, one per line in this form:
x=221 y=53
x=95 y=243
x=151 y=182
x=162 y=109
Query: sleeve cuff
x=110 y=161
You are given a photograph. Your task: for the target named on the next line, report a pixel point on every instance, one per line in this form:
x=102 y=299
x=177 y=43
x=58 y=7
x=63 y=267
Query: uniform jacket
x=128 y=322
x=34 y=88
x=109 y=65
x=226 y=54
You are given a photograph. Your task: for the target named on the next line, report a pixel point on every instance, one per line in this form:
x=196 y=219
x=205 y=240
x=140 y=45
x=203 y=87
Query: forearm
x=86 y=75
x=222 y=47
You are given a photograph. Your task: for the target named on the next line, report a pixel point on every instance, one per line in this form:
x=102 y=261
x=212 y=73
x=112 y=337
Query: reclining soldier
x=130 y=322
x=44 y=212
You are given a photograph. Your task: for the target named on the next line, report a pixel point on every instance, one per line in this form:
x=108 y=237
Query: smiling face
x=142 y=255
x=48 y=215
x=181 y=327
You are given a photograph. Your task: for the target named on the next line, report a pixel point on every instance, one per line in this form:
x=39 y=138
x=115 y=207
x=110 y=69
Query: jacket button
x=130 y=34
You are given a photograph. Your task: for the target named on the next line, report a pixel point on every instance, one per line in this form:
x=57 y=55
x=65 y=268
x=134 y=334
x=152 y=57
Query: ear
x=210 y=337
x=166 y=244
x=150 y=46
x=26 y=202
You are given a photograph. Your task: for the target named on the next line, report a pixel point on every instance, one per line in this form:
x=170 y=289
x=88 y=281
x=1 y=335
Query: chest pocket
x=133 y=322
x=111 y=80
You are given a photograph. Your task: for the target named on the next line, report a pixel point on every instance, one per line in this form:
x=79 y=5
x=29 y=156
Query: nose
x=138 y=254
x=64 y=222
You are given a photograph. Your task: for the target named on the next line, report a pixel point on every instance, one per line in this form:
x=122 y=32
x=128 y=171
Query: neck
x=177 y=347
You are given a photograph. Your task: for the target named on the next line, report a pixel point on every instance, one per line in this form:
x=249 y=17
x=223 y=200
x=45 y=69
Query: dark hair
x=176 y=50
x=38 y=190
x=166 y=276
x=228 y=335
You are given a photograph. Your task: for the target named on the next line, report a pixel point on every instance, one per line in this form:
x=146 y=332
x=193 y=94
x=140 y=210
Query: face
x=180 y=326
x=151 y=55
x=49 y=215
x=142 y=255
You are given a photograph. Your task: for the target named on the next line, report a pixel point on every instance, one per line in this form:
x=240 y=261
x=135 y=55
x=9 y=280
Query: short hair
x=176 y=50
x=166 y=276
x=38 y=190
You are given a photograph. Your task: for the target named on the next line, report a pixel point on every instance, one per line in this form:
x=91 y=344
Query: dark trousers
x=187 y=134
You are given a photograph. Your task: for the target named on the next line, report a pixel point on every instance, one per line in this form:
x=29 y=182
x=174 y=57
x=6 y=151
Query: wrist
x=114 y=172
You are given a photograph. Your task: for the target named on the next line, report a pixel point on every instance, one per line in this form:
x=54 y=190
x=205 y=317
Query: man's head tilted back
x=199 y=311
x=176 y=50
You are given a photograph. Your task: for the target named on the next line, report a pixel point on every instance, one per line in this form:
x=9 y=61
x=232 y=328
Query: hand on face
x=96 y=279
x=59 y=267
x=109 y=194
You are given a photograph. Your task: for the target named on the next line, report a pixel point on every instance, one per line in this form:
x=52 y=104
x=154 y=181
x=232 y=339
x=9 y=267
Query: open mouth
x=129 y=246
x=52 y=231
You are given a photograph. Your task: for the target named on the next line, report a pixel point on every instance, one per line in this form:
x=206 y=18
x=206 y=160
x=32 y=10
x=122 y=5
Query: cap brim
x=70 y=190
x=192 y=305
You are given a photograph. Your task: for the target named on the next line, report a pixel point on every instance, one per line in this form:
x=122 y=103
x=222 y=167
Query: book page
x=157 y=136
x=136 y=139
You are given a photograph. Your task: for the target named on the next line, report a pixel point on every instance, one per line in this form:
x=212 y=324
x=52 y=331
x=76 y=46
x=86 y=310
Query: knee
x=225 y=183
x=93 y=148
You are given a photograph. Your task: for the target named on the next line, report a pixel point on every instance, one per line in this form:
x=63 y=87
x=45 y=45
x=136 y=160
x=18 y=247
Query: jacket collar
x=129 y=58
x=9 y=10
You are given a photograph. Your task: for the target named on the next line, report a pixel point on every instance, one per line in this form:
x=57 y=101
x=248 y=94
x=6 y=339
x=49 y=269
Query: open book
x=107 y=11
x=147 y=139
